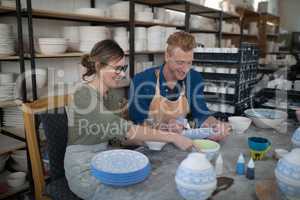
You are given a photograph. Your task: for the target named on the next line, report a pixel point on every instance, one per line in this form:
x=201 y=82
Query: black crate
x=248 y=53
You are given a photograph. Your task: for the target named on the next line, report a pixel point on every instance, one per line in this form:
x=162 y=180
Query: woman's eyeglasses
x=118 y=69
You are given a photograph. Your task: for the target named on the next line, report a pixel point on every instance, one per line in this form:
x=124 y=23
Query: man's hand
x=174 y=126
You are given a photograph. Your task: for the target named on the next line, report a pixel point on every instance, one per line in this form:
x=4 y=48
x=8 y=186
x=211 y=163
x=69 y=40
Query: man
x=172 y=90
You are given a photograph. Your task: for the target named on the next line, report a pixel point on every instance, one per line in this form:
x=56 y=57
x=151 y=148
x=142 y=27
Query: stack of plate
x=120 y=167
x=90 y=35
x=13 y=117
x=7 y=86
x=7 y=43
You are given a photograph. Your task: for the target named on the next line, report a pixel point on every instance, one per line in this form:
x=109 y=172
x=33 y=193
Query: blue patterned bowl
x=287 y=173
x=195 y=177
x=266 y=118
x=296 y=137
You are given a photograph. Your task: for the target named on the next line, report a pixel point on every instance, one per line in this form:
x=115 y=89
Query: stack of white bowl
x=120 y=10
x=160 y=15
x=146 y=15
x=90 y=35
x=50 y=46
x=71 y=34
x=7 y=43
x=7 y=86
x=13 y=117
x=156 y=37
x=120 y=35
x=140 y=42
x=98 y=12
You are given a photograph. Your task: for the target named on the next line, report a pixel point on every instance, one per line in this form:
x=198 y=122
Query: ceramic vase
x=195 y=177
x=287 y=173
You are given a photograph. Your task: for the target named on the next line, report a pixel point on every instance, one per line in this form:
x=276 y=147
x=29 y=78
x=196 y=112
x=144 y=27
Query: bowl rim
x=218 y=146
x=255 y=110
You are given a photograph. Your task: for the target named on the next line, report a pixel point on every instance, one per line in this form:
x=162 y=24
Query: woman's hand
x=182 y=142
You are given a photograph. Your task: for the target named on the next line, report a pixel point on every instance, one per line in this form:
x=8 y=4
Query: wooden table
x=161 y=185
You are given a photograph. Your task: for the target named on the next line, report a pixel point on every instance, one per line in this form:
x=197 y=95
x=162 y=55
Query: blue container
x=258 y=143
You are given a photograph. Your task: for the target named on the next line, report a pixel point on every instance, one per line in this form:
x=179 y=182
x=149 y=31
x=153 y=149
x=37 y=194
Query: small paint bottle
x=250 y=173
x=240 y=165
x=219 y=165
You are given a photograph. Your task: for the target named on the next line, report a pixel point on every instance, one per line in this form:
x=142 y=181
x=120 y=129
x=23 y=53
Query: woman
x=94 y=124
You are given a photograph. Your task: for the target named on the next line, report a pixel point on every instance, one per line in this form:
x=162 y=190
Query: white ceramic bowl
x=52 y=41
x=156 y=146
x=208 y=147
x=266 y=118
x=16 y=179
x=52 y=49
x=144 y=16
x=93 y=33
x=239 y=124
x=91 y=11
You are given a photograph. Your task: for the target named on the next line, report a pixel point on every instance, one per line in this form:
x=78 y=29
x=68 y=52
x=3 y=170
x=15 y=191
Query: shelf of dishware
x=9 y=144
x=197 y=9
x=11 y=191
x=37 y=13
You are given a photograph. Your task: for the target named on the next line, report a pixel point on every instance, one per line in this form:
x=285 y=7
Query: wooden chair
x=51 y=112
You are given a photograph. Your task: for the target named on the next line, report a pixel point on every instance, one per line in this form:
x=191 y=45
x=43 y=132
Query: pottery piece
x=287 y=174
x=195 y=177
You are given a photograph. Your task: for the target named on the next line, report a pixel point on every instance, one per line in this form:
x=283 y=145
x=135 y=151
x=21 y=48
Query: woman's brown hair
x=102 y=53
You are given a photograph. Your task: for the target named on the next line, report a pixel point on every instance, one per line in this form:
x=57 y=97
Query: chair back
x=53 y=116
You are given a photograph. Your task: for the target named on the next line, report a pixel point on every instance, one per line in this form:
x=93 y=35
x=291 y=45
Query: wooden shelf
x=12 y=191
x=9 y=58
x=225 y=34
x=179 y=5
x=11 y=103
x=5 y=9
x=8 y=144
x=203 y=31
x=63 y=55
x=37 y=13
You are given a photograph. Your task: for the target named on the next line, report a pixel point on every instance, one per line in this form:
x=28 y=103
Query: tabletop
x=160 y=185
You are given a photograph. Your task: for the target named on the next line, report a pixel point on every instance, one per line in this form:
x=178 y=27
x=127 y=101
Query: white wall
x=289 y=13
